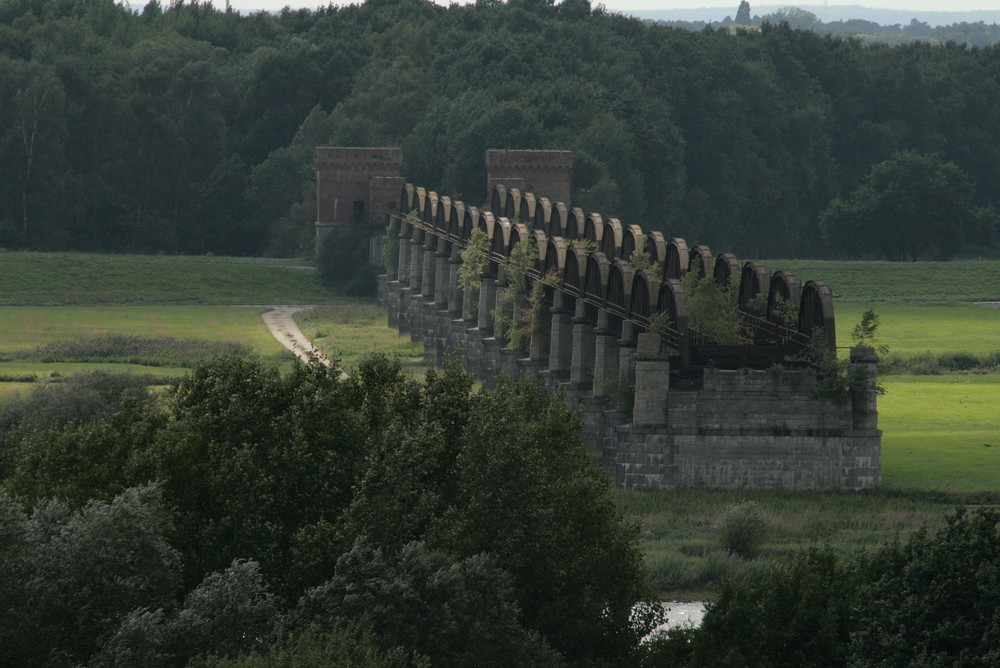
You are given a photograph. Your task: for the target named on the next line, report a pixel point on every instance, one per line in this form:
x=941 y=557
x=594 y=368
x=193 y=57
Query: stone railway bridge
x=703 y=414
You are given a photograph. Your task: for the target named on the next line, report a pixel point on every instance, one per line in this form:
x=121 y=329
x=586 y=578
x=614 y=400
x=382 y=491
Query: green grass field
x=894 y=282
x=910 y=329
x=23 y=327
x=941 y=432
x=36 y=279
x=54 y=297
x=348 y=329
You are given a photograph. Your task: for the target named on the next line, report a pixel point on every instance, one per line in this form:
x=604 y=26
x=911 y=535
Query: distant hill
x=884 y=17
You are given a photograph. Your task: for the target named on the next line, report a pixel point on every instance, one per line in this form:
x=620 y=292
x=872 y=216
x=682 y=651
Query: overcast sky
x=627 y=5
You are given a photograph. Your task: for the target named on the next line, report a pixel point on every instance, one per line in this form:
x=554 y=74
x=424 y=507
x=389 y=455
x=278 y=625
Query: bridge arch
x=593 y=228
x=673 y=301
x=618 y=299
x=612 y=239
x=595 y=285
x=543 y=214
x=726 y=267
x=632 y=239
x=555 y=257
x=541 y=246
x=406 y=200
x=642 y=303
x=469 y=221
x=573 y=275
x=558 y=220
x=430 y=208
x=753 y=281
x=499 y=246
x=498 y=199
x=816 y=311
x=575 y=223
x=678 y=258
x=784 y=287
x=656 y=246
x=527 y=208
x=512 y=207
x=700 y=260
x=455 y=221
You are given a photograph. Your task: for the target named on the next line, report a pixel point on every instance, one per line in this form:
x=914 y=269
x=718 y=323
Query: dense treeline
x=309 y=513
x=189 y=129
x=251 y=518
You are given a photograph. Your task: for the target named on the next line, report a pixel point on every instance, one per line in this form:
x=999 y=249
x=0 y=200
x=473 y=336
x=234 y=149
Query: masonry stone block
x=582 y=364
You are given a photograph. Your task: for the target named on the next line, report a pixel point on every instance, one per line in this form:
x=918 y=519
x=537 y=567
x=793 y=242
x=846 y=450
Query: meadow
x=172 y=307
x=50 y=298
x=900 y=282
x=347 y=329
x=941 y=443
x=39 y=279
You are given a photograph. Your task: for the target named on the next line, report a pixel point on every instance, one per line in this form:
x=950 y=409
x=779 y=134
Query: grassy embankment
x=51 y=300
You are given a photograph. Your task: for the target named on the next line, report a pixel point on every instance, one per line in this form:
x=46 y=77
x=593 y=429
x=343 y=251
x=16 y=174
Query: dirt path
x=282 y=325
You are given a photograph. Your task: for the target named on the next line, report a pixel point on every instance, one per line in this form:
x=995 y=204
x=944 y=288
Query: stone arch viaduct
x=601 y=314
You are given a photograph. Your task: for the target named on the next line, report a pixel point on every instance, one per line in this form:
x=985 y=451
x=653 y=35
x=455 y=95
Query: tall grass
x=24 y=327
x=929 y=364
x=680 y=529
x=132 y=349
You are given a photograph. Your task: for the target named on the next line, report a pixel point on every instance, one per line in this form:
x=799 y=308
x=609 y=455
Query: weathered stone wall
x=356 y=187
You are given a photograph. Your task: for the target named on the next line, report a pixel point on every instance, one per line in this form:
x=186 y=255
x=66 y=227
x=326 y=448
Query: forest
x=188 y=129
x=253 y=518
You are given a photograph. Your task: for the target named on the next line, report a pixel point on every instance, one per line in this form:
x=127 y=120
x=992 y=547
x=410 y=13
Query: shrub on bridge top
x=712 y=309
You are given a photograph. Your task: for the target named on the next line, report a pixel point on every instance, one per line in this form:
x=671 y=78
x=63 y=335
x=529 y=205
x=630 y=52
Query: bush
x=673 y=571
x=929 y=364
x=796 y=614
x=934 y=601
x=69 y=577
x=742 y=527
x=85 y=397
x=133 y=349
x=342 y=261
x=456 y=613
x=229 y=613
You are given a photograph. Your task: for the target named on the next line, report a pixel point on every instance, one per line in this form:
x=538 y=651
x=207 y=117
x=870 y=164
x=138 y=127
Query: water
x=681 y=614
